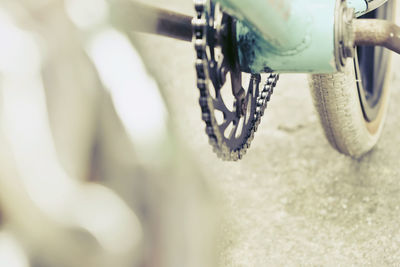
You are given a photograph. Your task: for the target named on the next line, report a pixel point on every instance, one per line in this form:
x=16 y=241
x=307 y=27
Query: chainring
x=230 y=125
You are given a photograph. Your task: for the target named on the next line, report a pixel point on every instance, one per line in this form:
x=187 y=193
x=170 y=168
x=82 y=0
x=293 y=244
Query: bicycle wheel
x=352 y=104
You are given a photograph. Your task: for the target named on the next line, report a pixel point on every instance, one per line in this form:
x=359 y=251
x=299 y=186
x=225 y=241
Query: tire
x=352 y=110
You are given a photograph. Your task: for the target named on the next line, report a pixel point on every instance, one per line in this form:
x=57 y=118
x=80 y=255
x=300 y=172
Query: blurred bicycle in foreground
x=89 y=176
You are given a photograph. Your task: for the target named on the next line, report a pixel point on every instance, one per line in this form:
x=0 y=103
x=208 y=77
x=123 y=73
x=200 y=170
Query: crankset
x=231 y=106
x=232 y=101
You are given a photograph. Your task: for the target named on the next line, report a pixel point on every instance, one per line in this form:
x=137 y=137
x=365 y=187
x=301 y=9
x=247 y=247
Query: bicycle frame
x=304 y=36
x=290 y=35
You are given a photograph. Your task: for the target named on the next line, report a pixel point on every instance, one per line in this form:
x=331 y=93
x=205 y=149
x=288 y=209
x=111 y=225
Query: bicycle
x=339 y=43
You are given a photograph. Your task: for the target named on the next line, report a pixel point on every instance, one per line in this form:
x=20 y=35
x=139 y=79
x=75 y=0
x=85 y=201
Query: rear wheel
x=352 y=104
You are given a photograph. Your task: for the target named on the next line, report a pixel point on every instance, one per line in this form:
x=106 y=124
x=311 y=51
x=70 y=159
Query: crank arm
x=135 y=16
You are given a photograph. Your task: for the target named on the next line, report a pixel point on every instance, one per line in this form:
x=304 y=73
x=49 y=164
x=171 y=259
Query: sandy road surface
x=293 y=199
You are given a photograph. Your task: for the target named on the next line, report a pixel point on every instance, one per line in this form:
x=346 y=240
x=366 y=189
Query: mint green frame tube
x=360 y=6
x=287 y=35
x=364 y=6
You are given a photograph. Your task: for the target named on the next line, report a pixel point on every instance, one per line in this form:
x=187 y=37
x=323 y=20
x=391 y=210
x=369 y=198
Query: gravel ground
x=292 y=200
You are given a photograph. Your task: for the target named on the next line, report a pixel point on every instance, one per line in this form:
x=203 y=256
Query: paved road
x=293 y=200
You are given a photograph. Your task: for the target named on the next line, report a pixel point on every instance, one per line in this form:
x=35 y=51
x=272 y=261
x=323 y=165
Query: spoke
x=220 y=105
x=234 y=130
x=250 y=88
x=225 y=125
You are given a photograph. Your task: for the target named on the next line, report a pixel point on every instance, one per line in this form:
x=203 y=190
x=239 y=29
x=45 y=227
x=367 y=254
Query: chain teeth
x=200 y=25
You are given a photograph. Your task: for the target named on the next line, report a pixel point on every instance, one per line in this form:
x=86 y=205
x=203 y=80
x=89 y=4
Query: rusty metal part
x=376 y=32
x=135 y=16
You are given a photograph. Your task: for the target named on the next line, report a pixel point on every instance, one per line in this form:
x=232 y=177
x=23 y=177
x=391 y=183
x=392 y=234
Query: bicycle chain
x=200 y=31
